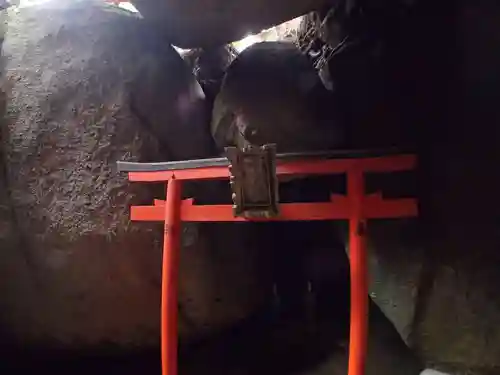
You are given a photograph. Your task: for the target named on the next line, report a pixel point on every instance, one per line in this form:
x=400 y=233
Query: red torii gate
x=356 y=206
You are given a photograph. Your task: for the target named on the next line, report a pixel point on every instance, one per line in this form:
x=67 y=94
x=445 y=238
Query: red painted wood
x=372 y=208
x=358 y=337
x=170 y=277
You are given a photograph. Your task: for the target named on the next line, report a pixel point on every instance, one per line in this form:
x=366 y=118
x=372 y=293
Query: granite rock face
x=86 y=85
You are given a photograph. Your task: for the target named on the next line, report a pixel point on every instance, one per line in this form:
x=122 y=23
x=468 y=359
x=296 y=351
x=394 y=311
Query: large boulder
x=201 y=23
x=86 y=85
x=272 y=94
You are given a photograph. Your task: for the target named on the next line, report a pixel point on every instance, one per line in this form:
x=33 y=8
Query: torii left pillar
x=170 y=274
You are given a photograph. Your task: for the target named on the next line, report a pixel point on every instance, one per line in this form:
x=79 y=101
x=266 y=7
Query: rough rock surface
x=272 y=94
x=439 y=284
x=87 y=85
x=197 y=23
x=210 y=65
x=435 y=278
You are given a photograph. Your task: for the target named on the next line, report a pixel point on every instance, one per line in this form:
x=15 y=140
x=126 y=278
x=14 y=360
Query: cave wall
x=437 y=283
